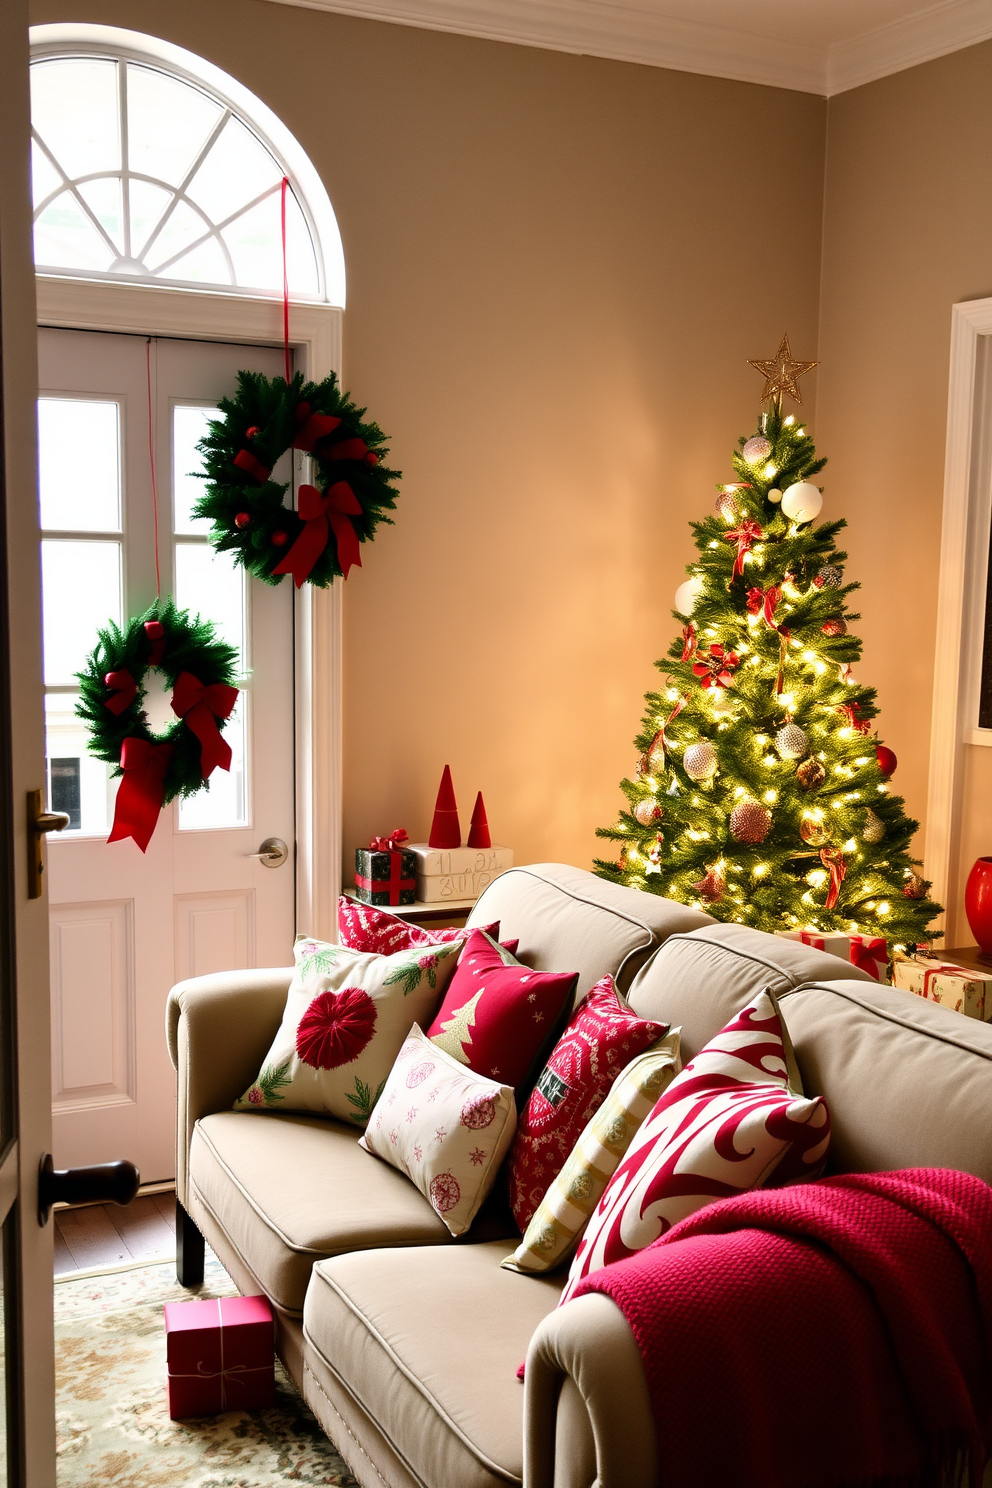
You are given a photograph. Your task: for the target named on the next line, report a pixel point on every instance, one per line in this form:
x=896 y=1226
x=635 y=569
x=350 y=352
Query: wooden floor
x=111 y=1234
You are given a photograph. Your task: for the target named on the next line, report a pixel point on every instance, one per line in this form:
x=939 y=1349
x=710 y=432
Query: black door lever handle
x=105 y=1183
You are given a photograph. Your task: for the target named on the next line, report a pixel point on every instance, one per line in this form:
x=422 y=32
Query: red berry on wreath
x=886 y=760
x=242 y=519
x=253 y=432
x=279 y=539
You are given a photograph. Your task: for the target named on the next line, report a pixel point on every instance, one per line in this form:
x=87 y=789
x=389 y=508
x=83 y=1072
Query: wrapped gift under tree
x=869 y=953
x=220 y=1355
x=964 y=989
x=385 y=871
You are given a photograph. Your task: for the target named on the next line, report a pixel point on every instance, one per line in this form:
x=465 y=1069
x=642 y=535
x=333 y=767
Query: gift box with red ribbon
x=385 y=871
x=959 y=987
x=220 y=1355
x=869 y=953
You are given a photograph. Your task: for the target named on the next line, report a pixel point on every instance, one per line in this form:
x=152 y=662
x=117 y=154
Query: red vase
x=978 y=903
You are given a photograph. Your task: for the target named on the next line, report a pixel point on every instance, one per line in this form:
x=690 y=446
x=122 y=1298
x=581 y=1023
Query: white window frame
x=964 y=561
x=149 y=309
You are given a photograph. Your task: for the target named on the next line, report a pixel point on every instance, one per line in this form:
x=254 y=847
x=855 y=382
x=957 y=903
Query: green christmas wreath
x=201 y=671
x=320 y=539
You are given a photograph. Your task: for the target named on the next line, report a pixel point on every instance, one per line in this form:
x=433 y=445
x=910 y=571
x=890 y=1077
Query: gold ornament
x=812 y=831
x=647 y=811
x=791 y=742
x=811 y=774
x=750 y=822
x=781 y=374
x=916 y=887
x=874 y=827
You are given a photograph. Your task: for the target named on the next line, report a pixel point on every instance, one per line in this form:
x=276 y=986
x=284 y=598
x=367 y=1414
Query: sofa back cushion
x=700 y=980
x=569 y=920
x=908 y=1083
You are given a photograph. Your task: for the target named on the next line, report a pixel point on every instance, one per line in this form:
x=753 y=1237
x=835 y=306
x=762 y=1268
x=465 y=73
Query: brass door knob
x=40 y=822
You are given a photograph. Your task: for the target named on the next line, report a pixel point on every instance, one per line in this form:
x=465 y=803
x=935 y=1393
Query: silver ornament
x=758 y=448
x=699 y=761
x=750 y=822
x=791 y=742
x=727 y=507
x=647 y=811
x=874 y=827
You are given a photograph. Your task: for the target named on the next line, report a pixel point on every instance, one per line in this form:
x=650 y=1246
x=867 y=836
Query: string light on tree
x=760 y=742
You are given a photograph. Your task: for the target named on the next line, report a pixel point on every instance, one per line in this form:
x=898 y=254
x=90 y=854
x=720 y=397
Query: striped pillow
x=561 y=1216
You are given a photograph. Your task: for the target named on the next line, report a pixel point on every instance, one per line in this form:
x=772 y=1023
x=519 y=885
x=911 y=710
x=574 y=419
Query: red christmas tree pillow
x=603 y=1036
x=499 y=1016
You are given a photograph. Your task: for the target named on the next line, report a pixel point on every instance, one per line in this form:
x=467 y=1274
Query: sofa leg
x=189 y=1250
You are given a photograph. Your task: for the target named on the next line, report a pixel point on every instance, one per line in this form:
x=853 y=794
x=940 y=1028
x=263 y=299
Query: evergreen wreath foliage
x=735 y=679
x=263 y=419
x=190 y=645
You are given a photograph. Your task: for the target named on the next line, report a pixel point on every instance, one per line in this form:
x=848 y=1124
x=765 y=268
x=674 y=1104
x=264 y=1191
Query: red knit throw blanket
x=830 y=1335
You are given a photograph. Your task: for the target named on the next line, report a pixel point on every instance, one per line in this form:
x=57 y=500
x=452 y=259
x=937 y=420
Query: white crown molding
x=627 y=33
x=929 y=33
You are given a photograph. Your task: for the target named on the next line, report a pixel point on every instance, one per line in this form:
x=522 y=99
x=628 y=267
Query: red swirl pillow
x=602 y=1037
x=363 y=927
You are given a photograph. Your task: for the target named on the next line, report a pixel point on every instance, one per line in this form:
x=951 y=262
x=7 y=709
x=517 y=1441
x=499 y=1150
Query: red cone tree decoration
x=478 y=832
x=445 y=830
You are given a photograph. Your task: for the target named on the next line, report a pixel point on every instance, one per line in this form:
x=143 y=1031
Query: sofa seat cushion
x=289 y=1190
x=428 y=1342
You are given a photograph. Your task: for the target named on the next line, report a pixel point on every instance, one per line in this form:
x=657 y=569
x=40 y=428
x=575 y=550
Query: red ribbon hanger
x=125 y=689
x=319 y=512
x=688 y=641
x=745 y=536
x=139 y=796
x=200 y=706
x=833 y=858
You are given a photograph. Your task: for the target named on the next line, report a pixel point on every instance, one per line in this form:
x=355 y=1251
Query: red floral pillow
x=603 y=1036
x=499 y=1016
x=363 y=927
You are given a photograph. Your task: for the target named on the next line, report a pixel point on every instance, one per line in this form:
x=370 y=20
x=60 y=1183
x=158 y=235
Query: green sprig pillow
x=346 y=1017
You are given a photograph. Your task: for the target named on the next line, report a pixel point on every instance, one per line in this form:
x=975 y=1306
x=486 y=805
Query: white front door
x=126 y=925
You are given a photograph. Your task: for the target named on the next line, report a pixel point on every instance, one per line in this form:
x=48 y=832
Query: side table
x=967 y=956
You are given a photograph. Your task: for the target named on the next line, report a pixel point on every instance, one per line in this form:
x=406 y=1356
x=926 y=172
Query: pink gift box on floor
x=869 y=953
x=221 y=1356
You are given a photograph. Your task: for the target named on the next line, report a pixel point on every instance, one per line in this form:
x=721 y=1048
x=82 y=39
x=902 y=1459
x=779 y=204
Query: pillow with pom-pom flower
x=346 y=1016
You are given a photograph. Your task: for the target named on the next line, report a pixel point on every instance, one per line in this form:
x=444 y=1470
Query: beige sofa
x=406 y=1343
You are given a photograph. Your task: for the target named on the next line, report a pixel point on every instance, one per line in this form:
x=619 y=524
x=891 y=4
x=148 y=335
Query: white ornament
x=801 y=502
x=687 y=594
x=699 y=761
x=757 y=449
x=774 y=495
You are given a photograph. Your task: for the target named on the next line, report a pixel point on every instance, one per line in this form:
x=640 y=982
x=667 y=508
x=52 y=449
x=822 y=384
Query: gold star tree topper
x=782 y=374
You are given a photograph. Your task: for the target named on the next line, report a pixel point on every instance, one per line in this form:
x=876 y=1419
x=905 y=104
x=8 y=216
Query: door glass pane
x=222 y=804
x=188 y=427
x=81 y=591
x=209 y=584
x=79 y=467
x=77 y=783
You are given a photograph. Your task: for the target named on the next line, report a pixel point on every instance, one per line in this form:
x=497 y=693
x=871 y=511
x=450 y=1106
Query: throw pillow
x=363 y=927
x=562 y=1214
x=346 y=1016
x=498 y=1016
x=721 y=1128
x=445 y=1127
x=602 y=1037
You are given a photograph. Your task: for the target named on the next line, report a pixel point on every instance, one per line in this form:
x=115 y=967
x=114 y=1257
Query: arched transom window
x=146 y=174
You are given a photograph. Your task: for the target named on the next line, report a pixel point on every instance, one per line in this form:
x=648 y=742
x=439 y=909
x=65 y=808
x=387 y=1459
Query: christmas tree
x=761 y=792
x=456 y=1033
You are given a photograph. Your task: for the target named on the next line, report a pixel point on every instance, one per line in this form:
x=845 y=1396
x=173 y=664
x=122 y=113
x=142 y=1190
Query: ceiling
x=815 y=46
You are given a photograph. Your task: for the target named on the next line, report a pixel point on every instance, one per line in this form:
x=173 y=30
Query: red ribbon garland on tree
x=645 y=759
x=335 y=507
x=688 y=641
x=200 y=706
x=833 y=858
x=850 y=712
x=745 y=536
x=140 y=793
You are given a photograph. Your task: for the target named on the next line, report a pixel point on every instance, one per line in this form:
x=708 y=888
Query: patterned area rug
x=113 y=1416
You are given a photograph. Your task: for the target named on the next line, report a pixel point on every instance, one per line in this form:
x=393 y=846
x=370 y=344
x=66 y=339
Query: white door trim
x=315 y=334
x=963 y=563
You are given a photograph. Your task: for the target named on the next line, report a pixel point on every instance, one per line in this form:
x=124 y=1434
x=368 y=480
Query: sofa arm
x=219 y=1029
x=587 y=1413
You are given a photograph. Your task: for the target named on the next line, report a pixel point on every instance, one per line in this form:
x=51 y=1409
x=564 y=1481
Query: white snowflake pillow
x=445 y=1127
x=347 y=1014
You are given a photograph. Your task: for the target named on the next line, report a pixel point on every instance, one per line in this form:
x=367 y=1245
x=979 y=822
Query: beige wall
x=557 y=266
x=908 y=231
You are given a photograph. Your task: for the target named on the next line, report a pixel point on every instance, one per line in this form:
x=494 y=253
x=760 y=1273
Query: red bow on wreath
x=850 y=712
x=393 y=843
x=155 y=631
x=125 y=689
x=745 y=536
x=200 y=706
x=313 y=427
x=833 y=858
x=335 y=507
x=252 y=465
x=140 y=793
x=716 y=666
